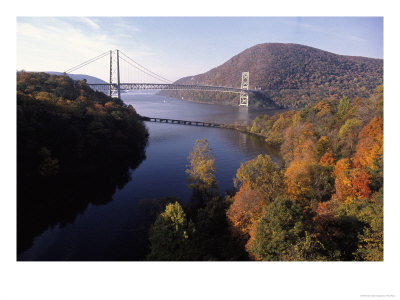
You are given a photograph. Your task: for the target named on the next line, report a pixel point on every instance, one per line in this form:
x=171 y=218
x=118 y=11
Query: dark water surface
x=118 y=229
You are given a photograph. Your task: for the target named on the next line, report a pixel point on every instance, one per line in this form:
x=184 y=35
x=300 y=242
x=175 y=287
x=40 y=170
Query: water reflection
x=43 y=204
x=69 y=224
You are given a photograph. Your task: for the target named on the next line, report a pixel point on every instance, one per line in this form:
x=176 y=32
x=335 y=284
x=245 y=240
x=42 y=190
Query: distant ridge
x=295 y=75
x=89 y=79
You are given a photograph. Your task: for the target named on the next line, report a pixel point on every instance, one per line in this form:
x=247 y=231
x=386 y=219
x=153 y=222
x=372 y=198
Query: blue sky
x=181 y=46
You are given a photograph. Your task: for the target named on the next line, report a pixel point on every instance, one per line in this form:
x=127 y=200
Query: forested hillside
x=323 y=202
x=290 y=75
x=74 y=146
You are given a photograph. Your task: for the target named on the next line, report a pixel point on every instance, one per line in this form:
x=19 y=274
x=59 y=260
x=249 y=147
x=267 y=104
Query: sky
x=175 y=47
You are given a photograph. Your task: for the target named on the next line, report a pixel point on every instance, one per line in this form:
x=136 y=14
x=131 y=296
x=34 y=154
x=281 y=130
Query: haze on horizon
x=177 y=47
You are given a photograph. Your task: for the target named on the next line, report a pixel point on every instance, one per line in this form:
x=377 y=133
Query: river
x=118 y=229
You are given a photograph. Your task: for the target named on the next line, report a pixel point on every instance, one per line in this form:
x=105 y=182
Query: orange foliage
x=360 y=180
x=245 y=211
x=350 y=183
x=370 y=145
x=327 y=160
x=298 y=177
x=342 y=180
x=322 y=108
x=109 y=104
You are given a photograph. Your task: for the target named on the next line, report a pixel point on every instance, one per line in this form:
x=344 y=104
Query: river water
x=118 y=230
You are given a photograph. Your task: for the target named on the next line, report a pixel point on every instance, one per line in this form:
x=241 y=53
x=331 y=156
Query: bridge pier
x=244 y=97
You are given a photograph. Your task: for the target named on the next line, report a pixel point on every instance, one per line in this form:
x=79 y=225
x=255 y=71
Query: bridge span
x=182 y=122
x=167 y=86
x=115 y=85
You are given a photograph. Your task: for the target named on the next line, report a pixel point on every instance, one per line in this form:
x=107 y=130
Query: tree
x=260 y=173
x=170 y=235
x=323 y=146
x=370 y=145
x=247 y=208
x=213 y=238
x=344 y=107
x=337 y=230
x=282 y=227
x=201 y=170
x=201 y=166
x=348 y=135
x=298 y=175
x=370 y=245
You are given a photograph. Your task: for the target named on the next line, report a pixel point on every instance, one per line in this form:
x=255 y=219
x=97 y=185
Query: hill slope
x=294 y=75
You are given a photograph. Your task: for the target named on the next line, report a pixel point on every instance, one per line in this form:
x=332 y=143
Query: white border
x=132 y=280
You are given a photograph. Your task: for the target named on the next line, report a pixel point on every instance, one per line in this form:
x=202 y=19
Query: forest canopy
x=323 y=202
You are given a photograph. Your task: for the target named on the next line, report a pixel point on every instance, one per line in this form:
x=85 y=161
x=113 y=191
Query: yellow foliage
x=298 y=179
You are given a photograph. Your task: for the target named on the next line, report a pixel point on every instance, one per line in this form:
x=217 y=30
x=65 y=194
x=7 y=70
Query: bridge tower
x=115 y=89
x=244 y=97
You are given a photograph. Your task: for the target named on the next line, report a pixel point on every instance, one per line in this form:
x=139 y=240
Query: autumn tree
x=342 y=174
x=348 y=135
x=370 y=145
x=323 y=146
x=344 y=107
x=201 y=170
x=171 y=234
x=298 y=175
x=297 y=139
x=247 y=208
x=260 y=173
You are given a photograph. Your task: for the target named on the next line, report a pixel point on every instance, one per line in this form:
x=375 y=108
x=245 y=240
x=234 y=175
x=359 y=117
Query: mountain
x=291 y=75
x=89 y=79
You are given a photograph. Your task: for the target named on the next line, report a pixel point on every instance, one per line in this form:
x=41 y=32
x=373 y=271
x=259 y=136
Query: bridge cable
x=143 y=67
x=87 y=62
x=143 y=71
x=159 y=76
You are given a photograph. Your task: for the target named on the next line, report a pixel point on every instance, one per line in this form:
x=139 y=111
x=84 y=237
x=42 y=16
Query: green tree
x=344 y=107
x=214 y=240
x=348 y=135
x=279 y=230
x=370 y=214
x=171 y=234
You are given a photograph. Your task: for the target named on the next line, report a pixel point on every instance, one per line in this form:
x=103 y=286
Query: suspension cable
x=87 y=62
x=155 y=74
x=165 y=81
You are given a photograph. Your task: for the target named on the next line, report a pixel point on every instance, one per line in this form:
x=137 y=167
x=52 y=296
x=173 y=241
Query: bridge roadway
x=182 y=122
x=165 y=86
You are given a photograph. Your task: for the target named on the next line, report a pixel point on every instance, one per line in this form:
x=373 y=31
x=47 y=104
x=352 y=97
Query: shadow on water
x=46 y=203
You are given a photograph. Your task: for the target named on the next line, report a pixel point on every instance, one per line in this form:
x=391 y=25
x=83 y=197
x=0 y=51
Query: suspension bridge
x=142 y=78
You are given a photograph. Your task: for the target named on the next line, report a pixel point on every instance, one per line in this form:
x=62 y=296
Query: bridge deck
x=164 y=86
x=182 y=122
